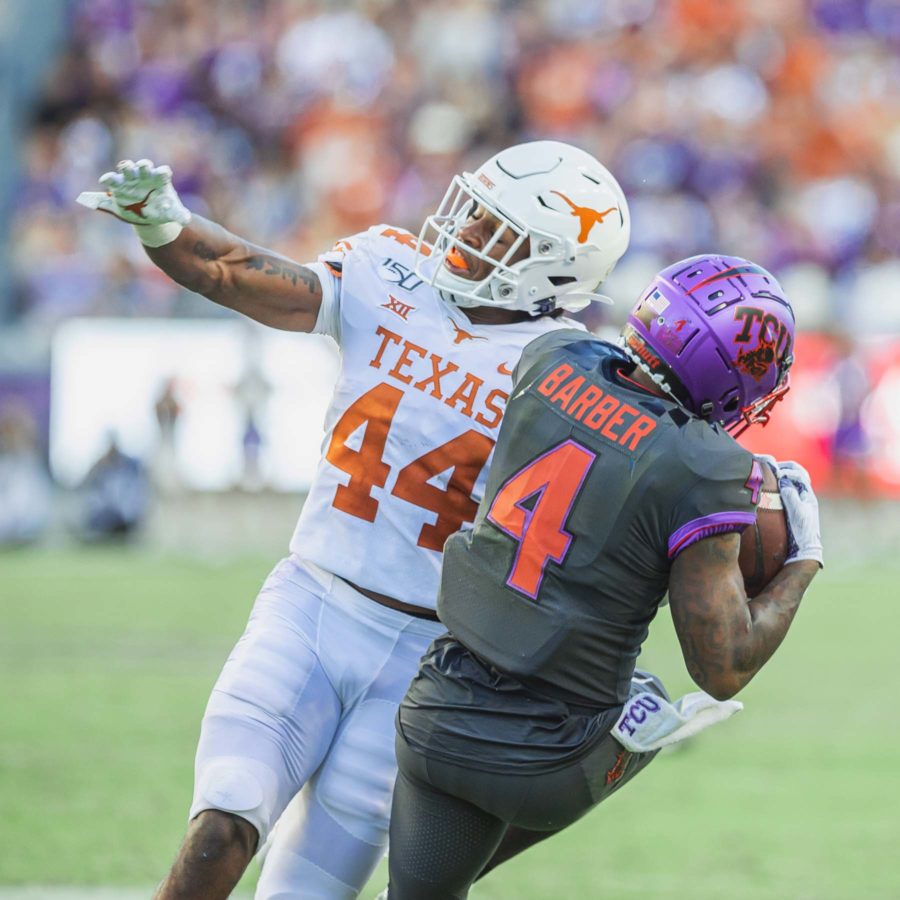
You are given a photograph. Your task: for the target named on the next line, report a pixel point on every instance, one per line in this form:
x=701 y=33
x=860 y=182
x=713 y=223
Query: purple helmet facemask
x=717 y=334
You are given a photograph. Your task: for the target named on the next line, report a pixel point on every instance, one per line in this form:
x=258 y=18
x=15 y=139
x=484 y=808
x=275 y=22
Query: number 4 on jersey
x=551 y=483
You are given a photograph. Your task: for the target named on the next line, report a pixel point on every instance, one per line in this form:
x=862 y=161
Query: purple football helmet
x=717 y=334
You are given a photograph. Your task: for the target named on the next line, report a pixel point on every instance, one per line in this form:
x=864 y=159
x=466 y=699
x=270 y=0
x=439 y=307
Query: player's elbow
x=722 y=684
x=724 y=690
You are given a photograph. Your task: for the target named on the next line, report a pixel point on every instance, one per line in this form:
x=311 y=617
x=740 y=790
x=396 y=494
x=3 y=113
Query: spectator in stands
x=114 y=496
x=25 y=488
x=164 y=465
x=766 y=127
x=850 y=443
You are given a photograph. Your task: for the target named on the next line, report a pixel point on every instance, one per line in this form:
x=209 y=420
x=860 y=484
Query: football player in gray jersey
x=616 y=478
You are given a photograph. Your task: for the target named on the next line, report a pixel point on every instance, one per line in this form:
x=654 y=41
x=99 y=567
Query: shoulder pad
x=393 y=235
x=538 y=351
x=334 y=258
x=379 y=240
x=711 y=453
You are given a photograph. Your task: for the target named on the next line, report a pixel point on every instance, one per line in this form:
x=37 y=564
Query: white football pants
x=308 y=698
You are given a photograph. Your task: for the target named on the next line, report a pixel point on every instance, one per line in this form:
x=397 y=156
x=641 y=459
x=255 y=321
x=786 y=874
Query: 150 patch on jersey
x=396 y=273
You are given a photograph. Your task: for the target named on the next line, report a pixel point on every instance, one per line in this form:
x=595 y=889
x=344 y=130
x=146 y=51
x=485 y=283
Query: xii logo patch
x=398 y=307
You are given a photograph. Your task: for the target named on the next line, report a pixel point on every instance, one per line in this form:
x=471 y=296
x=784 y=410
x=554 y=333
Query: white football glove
x=142 y=195
x=801 y=508
x=770 y=461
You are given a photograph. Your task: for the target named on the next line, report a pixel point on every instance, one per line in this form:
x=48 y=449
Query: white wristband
x=158 y=235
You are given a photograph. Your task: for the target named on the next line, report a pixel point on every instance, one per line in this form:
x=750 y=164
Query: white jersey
x=412 y=423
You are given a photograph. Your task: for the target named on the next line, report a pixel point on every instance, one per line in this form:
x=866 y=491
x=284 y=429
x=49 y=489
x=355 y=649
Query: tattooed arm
x=726 y=638
x=260 y=284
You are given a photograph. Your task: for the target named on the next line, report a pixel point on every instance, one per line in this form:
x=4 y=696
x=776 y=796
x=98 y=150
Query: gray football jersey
x=596 y=485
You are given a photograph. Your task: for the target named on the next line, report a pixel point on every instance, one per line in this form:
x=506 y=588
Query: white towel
x=648 y=722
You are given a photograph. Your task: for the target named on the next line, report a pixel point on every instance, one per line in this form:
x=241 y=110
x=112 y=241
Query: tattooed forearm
x=724 y=638
x=204 y=251
x=287 y=271
x=773 y=611
x=207 y=259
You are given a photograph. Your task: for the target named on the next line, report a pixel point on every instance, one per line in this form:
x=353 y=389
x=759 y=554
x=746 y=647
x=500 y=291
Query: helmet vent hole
x=695 y=273
x=731 y=405
x=718 y=308
x=594 y=180
x=690 y=337
x=559 y=280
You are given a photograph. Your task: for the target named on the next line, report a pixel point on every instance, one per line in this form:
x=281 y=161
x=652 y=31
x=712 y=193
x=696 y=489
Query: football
x=764 y=544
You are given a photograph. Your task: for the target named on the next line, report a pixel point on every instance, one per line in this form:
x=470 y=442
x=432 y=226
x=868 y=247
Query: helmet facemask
x=440 y=231
x=759 y=412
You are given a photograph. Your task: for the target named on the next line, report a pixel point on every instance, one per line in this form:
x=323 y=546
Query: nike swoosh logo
x=503 y=370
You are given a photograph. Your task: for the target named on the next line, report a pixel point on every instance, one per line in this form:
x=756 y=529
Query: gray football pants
x=447 y=821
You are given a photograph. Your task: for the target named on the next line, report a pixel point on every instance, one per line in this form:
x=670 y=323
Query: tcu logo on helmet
x=772 y=340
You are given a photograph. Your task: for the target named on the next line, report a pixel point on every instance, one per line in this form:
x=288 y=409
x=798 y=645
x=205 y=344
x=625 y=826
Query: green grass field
x=107 y=657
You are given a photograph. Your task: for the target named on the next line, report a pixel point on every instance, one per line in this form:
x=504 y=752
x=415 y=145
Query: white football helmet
x=560 y=200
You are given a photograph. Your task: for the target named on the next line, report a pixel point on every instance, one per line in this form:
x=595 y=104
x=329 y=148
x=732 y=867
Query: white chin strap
x=458 y=291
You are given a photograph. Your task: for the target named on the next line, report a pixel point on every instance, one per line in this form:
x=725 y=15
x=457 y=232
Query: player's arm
x=203 y=256
x=263 y=285
x=726 y=638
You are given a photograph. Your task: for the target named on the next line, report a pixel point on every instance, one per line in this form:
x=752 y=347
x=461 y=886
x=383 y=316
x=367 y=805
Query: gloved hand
x=801 y=508
x=142 y=195
x=770 y=461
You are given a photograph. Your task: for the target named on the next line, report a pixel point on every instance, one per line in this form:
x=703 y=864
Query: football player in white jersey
x=429 y=330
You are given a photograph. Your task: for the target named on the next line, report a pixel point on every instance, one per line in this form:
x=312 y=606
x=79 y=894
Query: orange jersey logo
x=398 y=307
x=586 y=216
x=463 y=335
x=138 y=207
x=407 y=239
x=503 y=369
x=618 y=767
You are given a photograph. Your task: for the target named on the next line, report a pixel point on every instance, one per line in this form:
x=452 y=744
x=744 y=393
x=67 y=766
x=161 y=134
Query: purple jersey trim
x=706 y=526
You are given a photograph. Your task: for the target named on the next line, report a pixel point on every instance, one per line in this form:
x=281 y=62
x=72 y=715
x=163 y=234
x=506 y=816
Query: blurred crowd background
x=764 y=128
